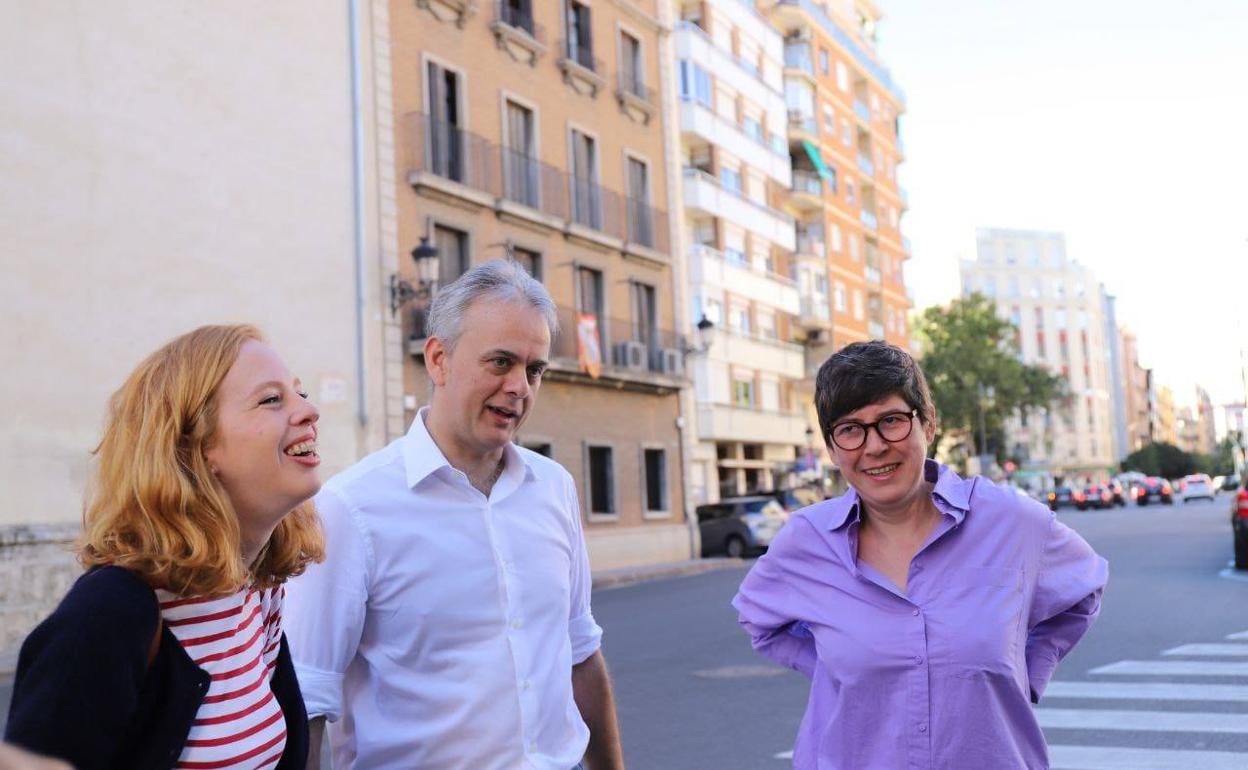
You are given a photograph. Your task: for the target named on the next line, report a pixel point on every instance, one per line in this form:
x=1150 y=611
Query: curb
x=627 y=576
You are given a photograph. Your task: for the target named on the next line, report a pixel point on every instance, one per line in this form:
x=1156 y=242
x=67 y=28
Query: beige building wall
x=463 y=181
x=167 y=165
x=1167 y=429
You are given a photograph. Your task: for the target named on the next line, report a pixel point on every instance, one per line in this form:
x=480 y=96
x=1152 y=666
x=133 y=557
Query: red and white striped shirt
x=234 y=639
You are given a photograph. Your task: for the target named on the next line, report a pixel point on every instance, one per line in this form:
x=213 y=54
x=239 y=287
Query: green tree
x=970 y=352
x=1161 y=459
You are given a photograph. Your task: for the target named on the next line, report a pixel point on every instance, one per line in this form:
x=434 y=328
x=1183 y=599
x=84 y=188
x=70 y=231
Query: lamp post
x=986 y=396
x=427 y=264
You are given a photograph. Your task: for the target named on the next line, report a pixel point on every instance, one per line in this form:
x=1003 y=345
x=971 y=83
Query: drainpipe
x=357 y=207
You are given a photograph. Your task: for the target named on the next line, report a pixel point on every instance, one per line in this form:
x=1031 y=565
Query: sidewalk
x=627 y=576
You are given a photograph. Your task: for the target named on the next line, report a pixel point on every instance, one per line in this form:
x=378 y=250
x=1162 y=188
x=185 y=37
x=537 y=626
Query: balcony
x=870 y=220
x=803 y=126
x=815 y=311
x=725 y=422
x=846 y=40
x=517 y=34
x=629 y=352
x=873 y=275
x=703 y=192
x=797 y=57
x=770 y=157
x=862 y=111
x=811 y=241
x=710 y=267
x=770 y=355
x=693 y=44
x=448 y=161
x=635 y=98
x=875 y=330
x=581 y=69
x=865 y=164
x=807 y=189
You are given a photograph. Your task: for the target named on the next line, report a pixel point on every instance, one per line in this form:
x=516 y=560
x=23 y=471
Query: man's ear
x=437 y=360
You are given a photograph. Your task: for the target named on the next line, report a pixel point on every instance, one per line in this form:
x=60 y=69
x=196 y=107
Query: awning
x=817 y=159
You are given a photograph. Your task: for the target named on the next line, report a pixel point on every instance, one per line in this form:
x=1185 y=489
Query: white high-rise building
x=1059 y=308
x=735 y=158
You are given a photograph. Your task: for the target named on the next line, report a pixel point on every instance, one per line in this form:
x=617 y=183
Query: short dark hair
x=863 y=373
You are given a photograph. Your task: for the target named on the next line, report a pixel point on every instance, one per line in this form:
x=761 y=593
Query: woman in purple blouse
x=929 y=611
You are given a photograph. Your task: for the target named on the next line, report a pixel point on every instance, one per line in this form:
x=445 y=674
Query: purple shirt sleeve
x=766 y=607
x=1069 y=584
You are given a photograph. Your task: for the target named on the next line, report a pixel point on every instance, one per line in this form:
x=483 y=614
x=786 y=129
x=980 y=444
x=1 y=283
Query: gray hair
x=500 y=279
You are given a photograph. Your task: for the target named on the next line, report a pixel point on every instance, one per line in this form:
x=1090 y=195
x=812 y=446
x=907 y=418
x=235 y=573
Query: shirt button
x=915 y=613
x=517 y=623
x=524 y=685
x=917 y=660
x=922 y=728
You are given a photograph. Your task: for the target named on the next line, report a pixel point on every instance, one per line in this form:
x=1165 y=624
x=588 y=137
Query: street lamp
x=704 y=327
x=403 y=292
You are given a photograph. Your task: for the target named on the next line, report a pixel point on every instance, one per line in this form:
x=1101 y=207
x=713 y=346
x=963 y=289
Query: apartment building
x=536 y=129
x=739 y=242
x=1059 y=309
x=844 y=144
x=1136 y=399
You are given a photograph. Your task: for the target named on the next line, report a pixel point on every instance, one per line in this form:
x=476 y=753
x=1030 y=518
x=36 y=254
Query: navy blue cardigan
x=84 y=691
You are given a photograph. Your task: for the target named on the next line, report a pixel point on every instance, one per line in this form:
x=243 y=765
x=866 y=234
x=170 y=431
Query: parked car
x=1229 y=484
x=1239 y=523
x=739 y=526
x=1061 y=497
x=1097 y=496
x=1153 y=489
x=1197 y=485
x=1115 y=489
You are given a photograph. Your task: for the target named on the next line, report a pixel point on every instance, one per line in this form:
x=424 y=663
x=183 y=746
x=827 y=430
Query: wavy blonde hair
x=154 y=506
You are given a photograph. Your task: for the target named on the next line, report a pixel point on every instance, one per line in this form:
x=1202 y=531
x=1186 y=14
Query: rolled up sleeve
x=584 y=632
x=326 y=608
x=1069 y=584
x=765 y=607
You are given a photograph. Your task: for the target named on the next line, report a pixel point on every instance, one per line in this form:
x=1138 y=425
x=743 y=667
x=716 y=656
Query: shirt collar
x=422 y=457
x=951 y=493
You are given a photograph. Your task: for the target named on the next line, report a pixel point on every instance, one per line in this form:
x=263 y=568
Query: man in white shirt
x=449 y=627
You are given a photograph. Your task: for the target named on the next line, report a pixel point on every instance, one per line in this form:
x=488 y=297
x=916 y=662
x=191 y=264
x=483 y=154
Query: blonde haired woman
x=169 y=651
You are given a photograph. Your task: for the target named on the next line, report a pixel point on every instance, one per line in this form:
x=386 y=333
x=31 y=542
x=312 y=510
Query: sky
x=1121 y=123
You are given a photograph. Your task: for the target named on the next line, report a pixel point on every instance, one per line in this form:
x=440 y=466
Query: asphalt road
x=693 y=696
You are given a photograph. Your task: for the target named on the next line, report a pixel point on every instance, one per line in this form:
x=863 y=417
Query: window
x=836 y=238
x=823 y=60
x=853 y=247
x=640 y=215
x=829 y=119
x=586 y=209
x=518 y=13
x=838 y=297
x=842 y=76
x=589 y=297
x=739 y=318
x=520 y=156
x=632 y=79
x=695 y=83
x=655 y=461
x=847 y=137
x=601 y=481
x=752 y=128
x=730 y=179
x=580 y=41
x=452 y=248
x=743 y=392
x=766 y=324
x=849 y=191
x=530 y=260
x=858 y=300
x=644 y=315
x=444 y=142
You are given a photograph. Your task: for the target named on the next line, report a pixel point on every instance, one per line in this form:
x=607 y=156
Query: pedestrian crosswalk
x=1196 y=708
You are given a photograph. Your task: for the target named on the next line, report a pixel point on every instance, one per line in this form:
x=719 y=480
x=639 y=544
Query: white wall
x=165 y=165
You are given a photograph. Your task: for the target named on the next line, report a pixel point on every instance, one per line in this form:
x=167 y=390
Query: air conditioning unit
x=672 y=361
x=630 y=355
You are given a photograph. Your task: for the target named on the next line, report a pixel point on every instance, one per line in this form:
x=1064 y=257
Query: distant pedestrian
x=929 y=611
x=450 y=625
x=169 y=651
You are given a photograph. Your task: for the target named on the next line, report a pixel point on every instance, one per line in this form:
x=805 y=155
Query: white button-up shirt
x=441 y=630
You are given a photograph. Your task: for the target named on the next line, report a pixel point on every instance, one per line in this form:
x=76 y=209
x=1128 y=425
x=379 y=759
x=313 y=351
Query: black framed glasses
x=892 y=427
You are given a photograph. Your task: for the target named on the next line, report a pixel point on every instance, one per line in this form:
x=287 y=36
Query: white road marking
x=1212 y=650
x=1173 y=668
x=1143 y=721
x=1119 y=758
x=1147 y=691
x=1238 y=635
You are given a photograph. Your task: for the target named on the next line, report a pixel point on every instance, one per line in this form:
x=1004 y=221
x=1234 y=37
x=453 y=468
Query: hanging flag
x=588 y=349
